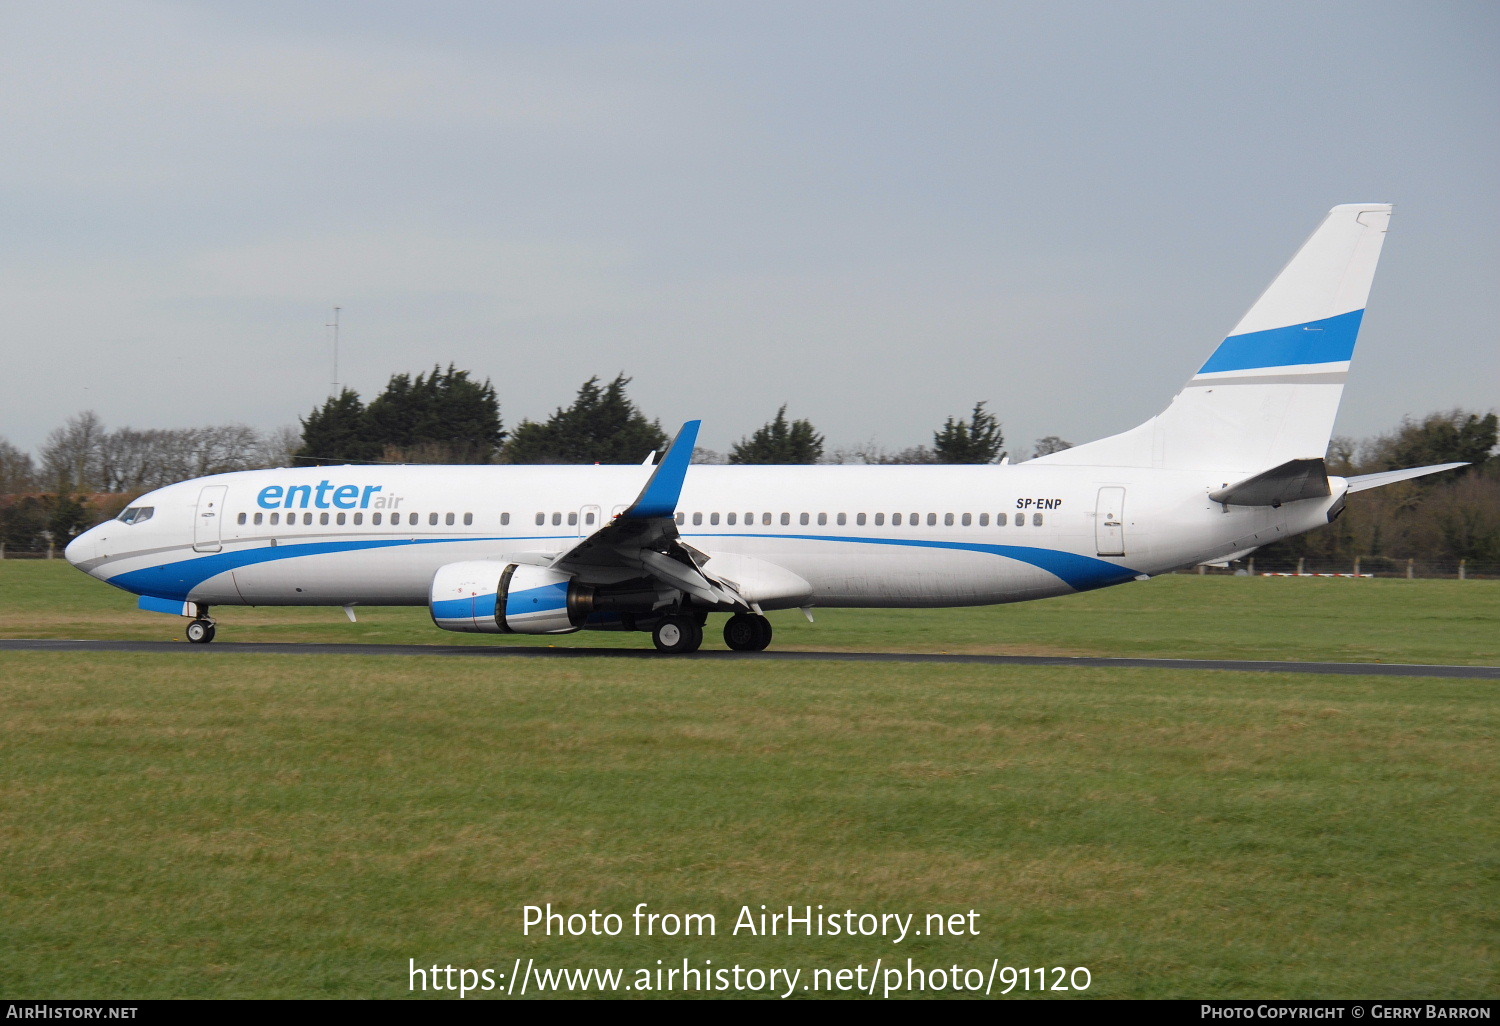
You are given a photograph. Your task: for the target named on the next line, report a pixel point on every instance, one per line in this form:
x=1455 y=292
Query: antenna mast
x=334 y=324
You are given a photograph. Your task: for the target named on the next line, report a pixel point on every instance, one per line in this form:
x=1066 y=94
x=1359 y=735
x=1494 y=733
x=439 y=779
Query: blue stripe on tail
x=1330 y=340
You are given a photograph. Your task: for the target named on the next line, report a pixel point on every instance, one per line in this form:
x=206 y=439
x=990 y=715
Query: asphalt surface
x=502 y=652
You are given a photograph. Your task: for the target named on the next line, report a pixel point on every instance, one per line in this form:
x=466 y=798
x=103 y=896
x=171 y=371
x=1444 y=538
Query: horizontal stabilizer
x=1293 y=480
x=1367 y=481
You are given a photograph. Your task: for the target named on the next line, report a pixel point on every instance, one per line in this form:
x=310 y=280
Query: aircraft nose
x=81 y=548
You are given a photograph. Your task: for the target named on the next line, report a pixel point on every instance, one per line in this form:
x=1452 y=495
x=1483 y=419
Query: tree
x=781 y=443
x=977 y=440
x=16 y=471
x=602 y=426
x=1453 y=436
x=335 y=433
x=70 y=456
x=443 y=417
x=1049 y=445
x=28 y=523
x=278 y=448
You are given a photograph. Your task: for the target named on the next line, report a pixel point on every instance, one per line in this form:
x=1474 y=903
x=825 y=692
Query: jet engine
x=480 y=597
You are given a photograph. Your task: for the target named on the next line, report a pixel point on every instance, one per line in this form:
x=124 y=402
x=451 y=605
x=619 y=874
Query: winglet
x=659 y=497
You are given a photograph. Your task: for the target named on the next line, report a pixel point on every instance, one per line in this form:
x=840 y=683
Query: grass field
x=1182 y=616
x=294 y=826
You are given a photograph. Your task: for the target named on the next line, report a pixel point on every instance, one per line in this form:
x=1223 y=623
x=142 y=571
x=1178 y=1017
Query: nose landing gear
x=201 y=630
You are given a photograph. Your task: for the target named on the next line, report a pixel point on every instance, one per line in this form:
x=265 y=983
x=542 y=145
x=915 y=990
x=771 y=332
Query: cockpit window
x=136 y=514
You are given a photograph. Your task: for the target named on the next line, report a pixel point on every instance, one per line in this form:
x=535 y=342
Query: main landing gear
x=747 y=632
x=677 y=635
x=201 y=630
x=683 y=633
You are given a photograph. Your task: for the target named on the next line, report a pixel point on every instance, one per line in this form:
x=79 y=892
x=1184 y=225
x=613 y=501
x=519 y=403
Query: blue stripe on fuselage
x=1081 y=573
x=177 y=579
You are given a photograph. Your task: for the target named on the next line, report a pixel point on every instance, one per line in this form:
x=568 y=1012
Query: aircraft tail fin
x=1269 y=392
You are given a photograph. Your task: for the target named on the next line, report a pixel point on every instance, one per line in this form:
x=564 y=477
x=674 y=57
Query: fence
x=1361 y=566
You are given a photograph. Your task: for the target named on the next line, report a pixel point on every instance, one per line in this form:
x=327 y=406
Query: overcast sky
x=874 y=212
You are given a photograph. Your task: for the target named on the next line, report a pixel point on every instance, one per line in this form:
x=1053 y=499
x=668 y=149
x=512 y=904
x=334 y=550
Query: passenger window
x=340 y=519
x=374 y=519
x=448 y=520
x=432 y=519
x=541 y=519
x=241 y=519
x=1020 y=519
x=504 y=519
x=275 y=518
x=323 y=519
x=932 y=520
x=968 y=519
x=947 y=519
x=765 y=519
x=749 y=519
x=259 y=518
x=843 y=519
x=805 y=519
x=468 y=520
x=731 y=519
x=859 y=519
x=697 y=519
x=786 y=519
x=359 y=518
x=895 y=519
x=984 y=520
x=713 y=519
x=916 y=520
x=822 y=519
x=1036 y=520
x=1000 y=519
x=557 y=520
x=572 y=519
x=681 y=518
x=879 y=519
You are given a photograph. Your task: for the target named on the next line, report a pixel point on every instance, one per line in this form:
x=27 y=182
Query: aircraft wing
x=644 y=541
x=1366 y=481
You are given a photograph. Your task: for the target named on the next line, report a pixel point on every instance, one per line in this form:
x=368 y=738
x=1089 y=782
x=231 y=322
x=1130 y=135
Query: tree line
x=446 y=417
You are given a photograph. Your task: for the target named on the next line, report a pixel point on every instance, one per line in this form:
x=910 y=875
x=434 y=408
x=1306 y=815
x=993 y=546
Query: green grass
x=289 y=826
x=1180 y=616
x=301 y=826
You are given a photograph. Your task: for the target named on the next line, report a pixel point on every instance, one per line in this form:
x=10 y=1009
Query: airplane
x=1234 y=462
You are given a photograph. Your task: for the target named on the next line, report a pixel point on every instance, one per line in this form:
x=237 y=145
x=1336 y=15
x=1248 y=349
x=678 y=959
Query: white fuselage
x=966 y=535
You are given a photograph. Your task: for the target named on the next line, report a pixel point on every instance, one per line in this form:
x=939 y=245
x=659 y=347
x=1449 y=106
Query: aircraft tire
x=747 y=632
x=200 y=632
x=677 y=635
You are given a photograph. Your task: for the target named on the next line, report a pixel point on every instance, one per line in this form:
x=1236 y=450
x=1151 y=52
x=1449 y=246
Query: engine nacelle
x=480 y=597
